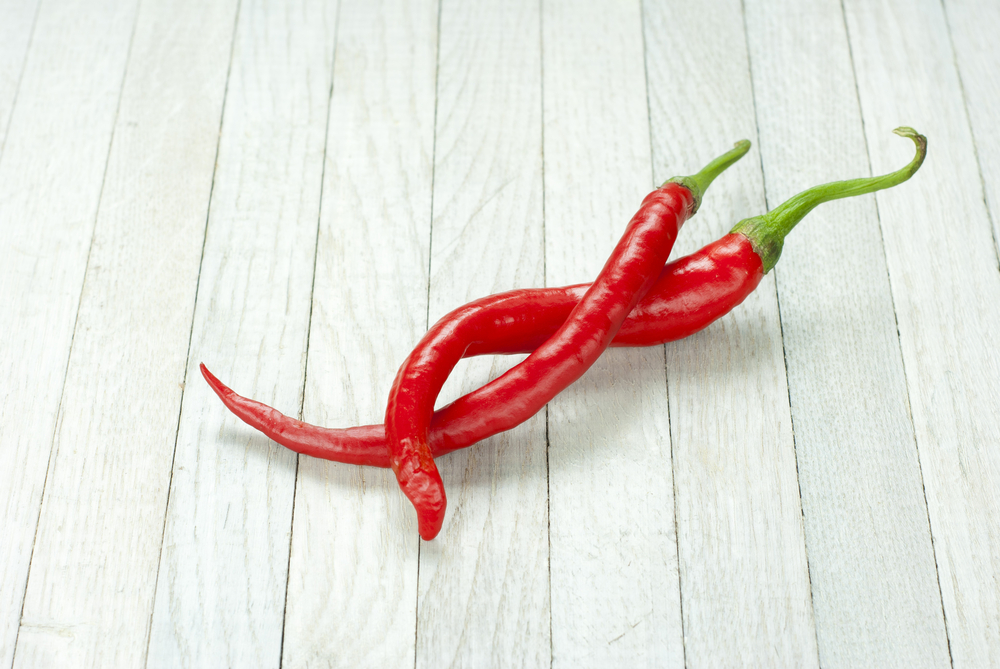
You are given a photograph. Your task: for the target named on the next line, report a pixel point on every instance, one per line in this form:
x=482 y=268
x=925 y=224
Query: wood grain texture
x=483 y=587
x=338 y=227
x=974 y=27
x=15 y=36
x=220 y=597
x=615 y=593
x=871 y=560
x=744 y=576
x=51 y=172
x=352 y=584
x=943 y=271
x=89 y=595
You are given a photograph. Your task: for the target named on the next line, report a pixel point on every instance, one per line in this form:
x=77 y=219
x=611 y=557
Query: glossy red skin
x=522 y=391
x=691 y=293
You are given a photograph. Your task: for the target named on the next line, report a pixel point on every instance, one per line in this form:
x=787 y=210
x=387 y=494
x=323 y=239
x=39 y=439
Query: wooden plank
x=943 y=270
x=610 y=482
x=220 y=597
x=743 y=571
x=353 y=574
x=90 y=593
x=871 y=560
x=974 y=27
x=15 y=37
x=51 y=171
x=483 y=586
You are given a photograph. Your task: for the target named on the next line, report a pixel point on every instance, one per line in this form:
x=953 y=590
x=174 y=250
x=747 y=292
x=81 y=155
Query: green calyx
x=700 y=182
x=767 y=233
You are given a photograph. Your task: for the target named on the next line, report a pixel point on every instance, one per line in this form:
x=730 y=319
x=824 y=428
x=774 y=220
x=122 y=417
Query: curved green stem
x=767 y=233
x=700 y=182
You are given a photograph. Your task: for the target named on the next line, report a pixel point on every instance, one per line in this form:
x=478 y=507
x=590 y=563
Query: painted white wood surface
x=435 y=189
x=15 y=37
x=90 y=594
x=974 y=27
x=51 y=174
x=483 y=586
x=220 y=597
x=352 y=585
x=871 y=561
x=943 y=271
x=743 y=572
x=615 y=593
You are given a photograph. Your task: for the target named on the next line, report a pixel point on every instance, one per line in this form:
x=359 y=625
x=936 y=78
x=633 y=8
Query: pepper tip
x=214 y=383
x=918 y=139
x=429 y=532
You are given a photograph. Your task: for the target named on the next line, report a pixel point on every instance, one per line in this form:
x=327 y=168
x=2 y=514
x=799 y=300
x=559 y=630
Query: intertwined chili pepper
x=523 y=390
x=689 y=294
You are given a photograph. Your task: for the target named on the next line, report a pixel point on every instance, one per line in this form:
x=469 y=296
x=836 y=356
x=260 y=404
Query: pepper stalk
x=767 y=232
x=699 y=183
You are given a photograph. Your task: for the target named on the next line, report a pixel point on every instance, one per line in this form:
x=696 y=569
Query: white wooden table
x=292 y=191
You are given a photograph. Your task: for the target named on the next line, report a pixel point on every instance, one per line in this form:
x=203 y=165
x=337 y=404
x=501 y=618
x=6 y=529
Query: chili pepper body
x=631 y=270
x=691 y=293
x=523 y=390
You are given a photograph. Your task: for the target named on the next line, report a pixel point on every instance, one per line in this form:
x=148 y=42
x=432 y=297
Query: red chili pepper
x=690 y=293
x=627 y=276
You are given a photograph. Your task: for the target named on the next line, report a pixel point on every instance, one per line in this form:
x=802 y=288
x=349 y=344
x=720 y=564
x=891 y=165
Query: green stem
x=700 y=182
x=767 y=233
